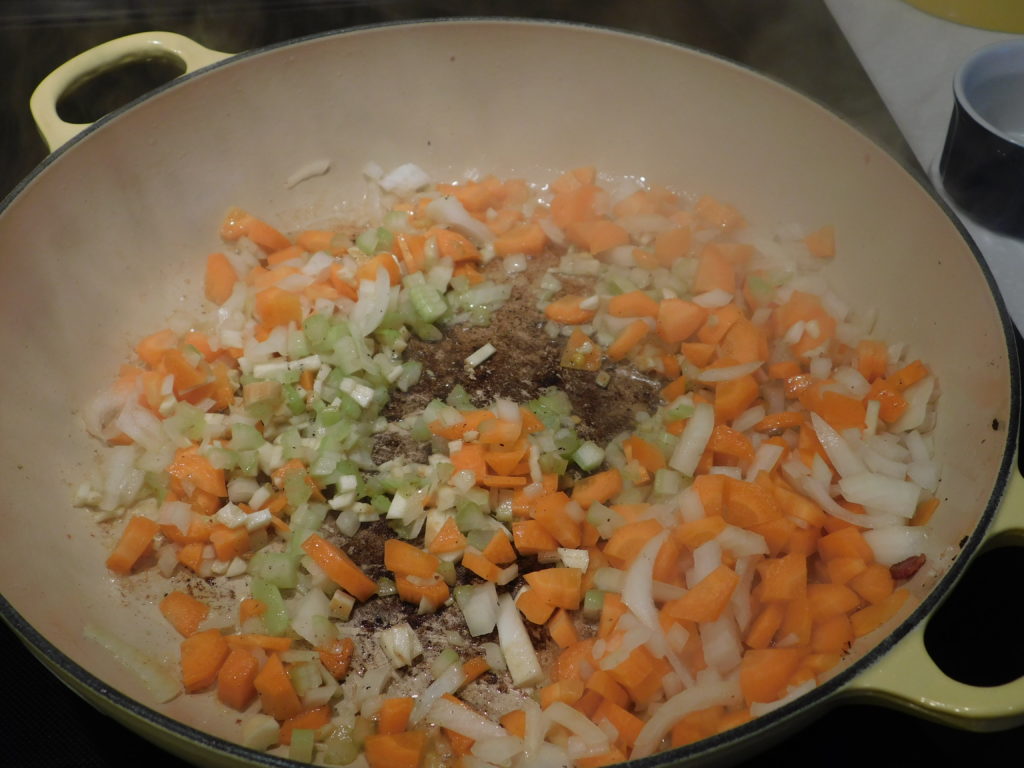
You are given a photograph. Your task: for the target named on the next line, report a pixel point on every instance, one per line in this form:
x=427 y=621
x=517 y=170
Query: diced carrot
x=627 y=541
x=842 y=569
x=264 y=235
x=412 y=590
x=235 y=679
x=151 y=349
x=454 y=246
x=135 y=541
x=601 y=487
x=613 y=756
x=872 y=359
x=563 y=631
x=764 y=625
x=566 y=691
x=268 y=643
x=727 y=441
x=474 y=668
x=733 y=397
x=339 y=567
x=679 y=319
x=499 y=549
x=336 y=656
x=746 y=504
x=368 y=269
x=572 y=660
x=611 y=611
x=470 y=457
x=528 y=239
x=697 y=352
x=706 y=600
x=822 y=242
x=908 y=375
x=672 y=244
x=873 y=616
x=846 y=542
x=805 y=307
x=220 y=278
x=697 y=725
x=184 y=612
x=393 y=716
x=567 y=311
x=581 y=353
x=874 y=583
x=448 y=539
x=715 y=270
x=783 y=578
x=625 y=722
x=765 y=673
x=714 y=213
x=827 y=600
x=559 y=587
x=924 y=511
x=597 y=235
x=229 y=543
x=574 y=205
x=530 y=538
x=276 y=307
x=515 y=722
x=693 y=533
x=779 y=422
x=480 y=565
x=395 y=750
x=250 y=608
x=833 y=634
x=202 y=655
x=632 y=304
x=649 y=456
x=627 y=340
x=405 y=559
x=550 y=510
x=533 y=607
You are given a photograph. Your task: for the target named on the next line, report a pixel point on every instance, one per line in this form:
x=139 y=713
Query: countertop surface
x=844 y=65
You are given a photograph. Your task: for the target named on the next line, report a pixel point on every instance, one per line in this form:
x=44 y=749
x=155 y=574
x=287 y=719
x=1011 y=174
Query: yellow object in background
x=997 y=15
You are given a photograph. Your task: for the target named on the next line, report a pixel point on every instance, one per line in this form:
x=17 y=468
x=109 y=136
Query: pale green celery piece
x=294 y=549
x=346 y=357
x=444 y=471
x=428 y=302
x=291 y=443
x=275 y=617
x=297 y=345
x=340 y=749
x=188 y=420
x=381 y=503
x=301 y=748
x=460 y=284
x=367 y=241
x=459 y=398
x=446 y=569
x=245 y=437
x=337 y=331
x=309 y=516
x=470 y=517
x=552 y=464
x=593 y=602
x=567 y=442
x=316 y=328
x=296 y=489
x=386 y=587
x=304 y=677
x=276 y=568
x=330 y=416
x=413 y=279
x=412 y=370
x=348 y=407
x=248 y=463
x=443 y=660
x=667 y=482
x=679 y=410
x=387 y=336
x=588 y=456
x=480 y=538
x=294 y=400
x=426 y=331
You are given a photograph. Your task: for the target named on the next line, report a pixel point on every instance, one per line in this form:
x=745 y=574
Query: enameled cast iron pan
x=101 y=242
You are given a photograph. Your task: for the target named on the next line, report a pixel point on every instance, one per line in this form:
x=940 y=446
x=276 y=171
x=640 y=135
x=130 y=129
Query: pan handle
x=907 y=678
x=43 y=102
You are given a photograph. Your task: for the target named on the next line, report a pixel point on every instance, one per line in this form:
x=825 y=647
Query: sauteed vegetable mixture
x=559 y=475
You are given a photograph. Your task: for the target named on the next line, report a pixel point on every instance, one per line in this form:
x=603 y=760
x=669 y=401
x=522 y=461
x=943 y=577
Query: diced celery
x=386 y=587
x=291 y=443
x=301 y=748
x=446 y=569
x=245 y=437
x=316 y=328
x=221 y=458
x=297 y=345
x=680 y=409
x=667 y=482
x=552 y=464
x=304 y=677
x=294 y=400
x=470 y=517
x=276 y=568
x=593 y=602
x=459 y=398
x=275 y=617
x=588 y=456
x=444 y=659
x=296 y=489
x=410 y=375
x=567 y=442
x=309 y=516
x=428 y=302
x=247 y=463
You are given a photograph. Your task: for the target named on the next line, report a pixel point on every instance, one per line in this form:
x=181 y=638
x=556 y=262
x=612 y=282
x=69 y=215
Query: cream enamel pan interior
x=103 y=242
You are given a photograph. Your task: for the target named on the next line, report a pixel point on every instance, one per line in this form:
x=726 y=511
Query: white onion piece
x=577 y=722
x=159 y=681
x=721 y=643
x=729 y=372
x=310 y=170
x=405 y=179
x=886 y=494
x=100 y=412
x=694 y=440
x=447 y=210
x=520 y=656
x=448 y=682
x=839 y=452
x=706 y=558
x=713 y=299
x=464 y=720
x=690 y=506
x=917 y=396
x=639 y=582
x=748 y=418
x=765 y=459
x=741 y=542
x=675 y=709
x=896 y=543
x=497 y=750
x=369 y=311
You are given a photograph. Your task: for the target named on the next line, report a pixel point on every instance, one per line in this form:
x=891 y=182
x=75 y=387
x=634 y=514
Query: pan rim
x=767 y=722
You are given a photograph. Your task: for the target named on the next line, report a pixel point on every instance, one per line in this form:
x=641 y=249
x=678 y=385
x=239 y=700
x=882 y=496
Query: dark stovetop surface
x=796 y=41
